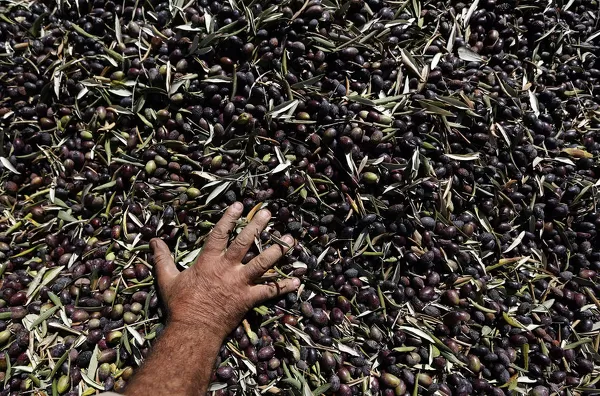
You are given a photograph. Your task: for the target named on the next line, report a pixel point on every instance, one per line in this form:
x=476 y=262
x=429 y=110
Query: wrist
x=198 y=328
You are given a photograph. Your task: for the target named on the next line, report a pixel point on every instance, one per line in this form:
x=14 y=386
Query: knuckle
x=261 y=263
x=217 y=238
x=266 y=295
x=218 y=234
x=226 y=219
x=267 y=292
x=239 y=243
x=270 y=255
x=159 y=262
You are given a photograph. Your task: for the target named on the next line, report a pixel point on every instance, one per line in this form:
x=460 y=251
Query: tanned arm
x=181 y=363
x=205 y=303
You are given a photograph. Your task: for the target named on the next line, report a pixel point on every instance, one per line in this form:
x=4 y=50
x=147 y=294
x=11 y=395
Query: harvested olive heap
x=437 y=162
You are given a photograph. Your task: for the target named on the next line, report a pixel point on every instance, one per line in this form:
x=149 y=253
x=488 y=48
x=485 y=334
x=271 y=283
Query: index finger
x=244 y=240
x=219 y=236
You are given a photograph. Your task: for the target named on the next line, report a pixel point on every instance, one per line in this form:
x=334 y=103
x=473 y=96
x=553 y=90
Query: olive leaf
x=577 y=153
x=516 y=242
x=468 y=55
x=6 y=163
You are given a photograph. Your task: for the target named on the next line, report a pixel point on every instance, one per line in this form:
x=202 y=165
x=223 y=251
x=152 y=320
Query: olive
x=225 y=373
x=266 y=353
x=410 y=175
x=390 y=380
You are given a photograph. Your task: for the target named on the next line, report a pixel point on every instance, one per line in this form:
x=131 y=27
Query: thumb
x=164 y=265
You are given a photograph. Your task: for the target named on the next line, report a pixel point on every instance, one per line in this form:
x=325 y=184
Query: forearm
x=181 y=363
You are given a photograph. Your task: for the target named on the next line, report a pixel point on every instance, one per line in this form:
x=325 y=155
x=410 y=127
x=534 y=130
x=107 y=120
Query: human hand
x=218 y=289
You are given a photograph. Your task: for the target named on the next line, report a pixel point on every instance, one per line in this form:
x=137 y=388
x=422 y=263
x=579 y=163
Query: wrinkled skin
x=205 y=302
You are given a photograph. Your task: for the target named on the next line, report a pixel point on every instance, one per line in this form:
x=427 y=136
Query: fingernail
x=288 y=239
x=296 y=282
x=153 y=244
x=265 y=214
x=237 y=206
